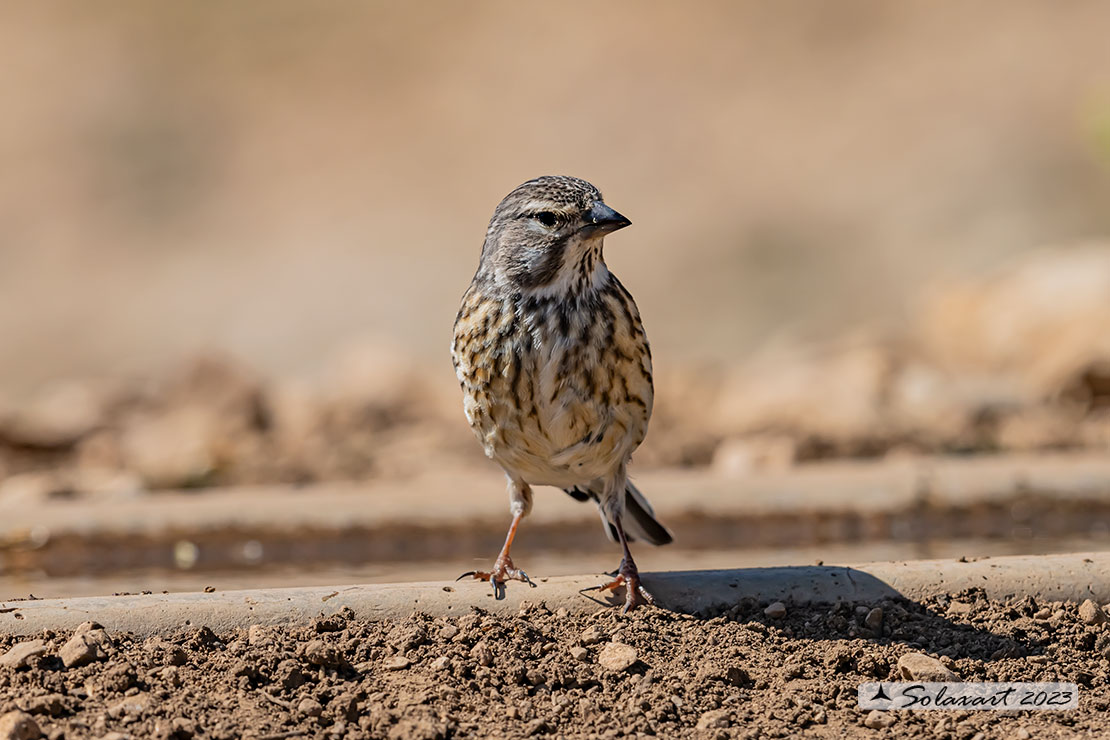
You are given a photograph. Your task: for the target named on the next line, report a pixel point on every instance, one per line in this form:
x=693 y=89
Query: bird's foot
x=628 y=576
x=503 y=570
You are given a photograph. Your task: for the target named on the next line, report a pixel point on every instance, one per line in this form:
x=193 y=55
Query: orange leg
x=503 y=568
x=628 y=576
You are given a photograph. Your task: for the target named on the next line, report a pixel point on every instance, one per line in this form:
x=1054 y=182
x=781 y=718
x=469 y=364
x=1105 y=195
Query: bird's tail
x=639 y=520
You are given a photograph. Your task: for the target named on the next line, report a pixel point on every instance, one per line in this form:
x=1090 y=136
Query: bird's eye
x=547 y=218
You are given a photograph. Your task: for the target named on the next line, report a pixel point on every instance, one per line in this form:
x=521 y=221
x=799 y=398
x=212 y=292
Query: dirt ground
x=741 y=673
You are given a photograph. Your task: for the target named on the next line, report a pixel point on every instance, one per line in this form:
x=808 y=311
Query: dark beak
x=602 y=219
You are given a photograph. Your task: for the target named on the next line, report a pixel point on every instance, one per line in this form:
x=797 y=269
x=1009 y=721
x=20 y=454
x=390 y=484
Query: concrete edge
x=1071 y=577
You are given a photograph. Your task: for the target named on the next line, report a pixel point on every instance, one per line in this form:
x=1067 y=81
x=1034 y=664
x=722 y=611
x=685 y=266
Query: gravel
x=732 y=672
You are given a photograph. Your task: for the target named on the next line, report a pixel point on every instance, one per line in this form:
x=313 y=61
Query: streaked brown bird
x=555 y=366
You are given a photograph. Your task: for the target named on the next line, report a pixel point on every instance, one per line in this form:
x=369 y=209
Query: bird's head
x=547 y=235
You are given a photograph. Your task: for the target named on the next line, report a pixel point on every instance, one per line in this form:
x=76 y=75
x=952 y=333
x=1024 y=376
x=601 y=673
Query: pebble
x=259 y=635
x=53 y=705
x=18 y=726
x=1091 y=613
x=714 y=719
x=921 y=667
x=84 y=648
x=171 y=675
x=777 y=610
x=18 y=656
x=448 y=631
x=309 y=707
x=592 y=635
x=396 y=663
x=536 y=727
x=136 y=705
x=320 y=653
x=481 y=653
x=580 y=654
x=960 y=609
x=1022 y=734
x=617 y=657
x=877 y=720
x=442 y=663
x=874 y=619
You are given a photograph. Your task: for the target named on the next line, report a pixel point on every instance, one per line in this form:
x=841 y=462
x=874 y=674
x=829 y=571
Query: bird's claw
x=503 y=570
x=634 y=594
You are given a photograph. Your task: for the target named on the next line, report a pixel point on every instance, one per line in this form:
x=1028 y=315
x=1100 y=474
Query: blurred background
x=868 y=237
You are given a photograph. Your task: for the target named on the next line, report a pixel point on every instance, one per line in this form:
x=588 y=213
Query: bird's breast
x=558 y=391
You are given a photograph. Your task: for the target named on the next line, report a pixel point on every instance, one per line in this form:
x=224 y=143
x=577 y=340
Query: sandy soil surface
x=742 y=673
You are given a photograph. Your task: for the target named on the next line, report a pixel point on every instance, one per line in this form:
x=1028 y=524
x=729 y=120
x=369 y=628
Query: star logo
x=880 y=695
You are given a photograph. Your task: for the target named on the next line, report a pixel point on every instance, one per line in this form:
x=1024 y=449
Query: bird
x=555 y=367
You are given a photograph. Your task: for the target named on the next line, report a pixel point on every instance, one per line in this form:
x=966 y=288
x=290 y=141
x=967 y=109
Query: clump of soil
x=751 y=671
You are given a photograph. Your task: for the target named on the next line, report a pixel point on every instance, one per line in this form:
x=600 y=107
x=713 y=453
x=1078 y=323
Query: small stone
x=592 y=635
x=580 y=654
x=877 y=720
x=259 y=635
x=396 y=663
x=320 y=653
x=20 y=654
x=481 y=653
x=921 y=667
x=1091 y=613
x=117 y=679
x=777 y=610
x=617 y=657
x=714 y=719
x=83 y=648
x=1022 y=734
x=536 y=727
x=960 y=609
x=448 y=631
x=442 y=663
x=345 y=707
x=309 y=707
x=183 y=728
x=86 y=627
x=874 y=619
x=171 y=674
x=1043 y=613
x=53 y=705
x=18 y=726
x=130 y=706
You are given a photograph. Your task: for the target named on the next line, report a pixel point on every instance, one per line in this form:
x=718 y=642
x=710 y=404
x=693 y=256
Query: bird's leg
x=503 y=568
x=628 y=576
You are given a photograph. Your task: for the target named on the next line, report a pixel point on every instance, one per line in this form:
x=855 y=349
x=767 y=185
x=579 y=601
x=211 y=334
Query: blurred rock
x=831 y=396
x=20 y=655
x=34 y=488
x=172 y=449
x=739 y=456
x=1039 y=327
x=58 y=417
x=18 y=725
